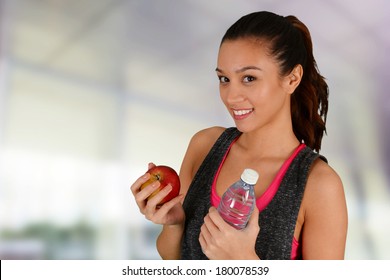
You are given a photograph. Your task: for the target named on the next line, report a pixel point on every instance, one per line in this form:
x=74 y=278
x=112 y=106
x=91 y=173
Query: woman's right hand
x=170 y=213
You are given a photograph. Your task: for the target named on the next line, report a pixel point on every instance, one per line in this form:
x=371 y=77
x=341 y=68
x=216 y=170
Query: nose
x=233 y=94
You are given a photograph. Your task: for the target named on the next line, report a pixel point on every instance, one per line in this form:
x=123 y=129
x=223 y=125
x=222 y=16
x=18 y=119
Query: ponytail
x=309 y=102
x=290 y=44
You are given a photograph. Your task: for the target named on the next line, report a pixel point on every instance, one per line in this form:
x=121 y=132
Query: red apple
x=165 y=175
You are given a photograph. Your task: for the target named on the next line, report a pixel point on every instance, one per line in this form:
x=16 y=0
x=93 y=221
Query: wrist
x=174 y=227
x=250 y=256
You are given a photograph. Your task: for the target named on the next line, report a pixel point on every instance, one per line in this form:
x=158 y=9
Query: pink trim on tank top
x=262 y=201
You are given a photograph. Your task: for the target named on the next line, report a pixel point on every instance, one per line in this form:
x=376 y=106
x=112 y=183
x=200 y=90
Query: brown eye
x=223 y=79
x=248 y=79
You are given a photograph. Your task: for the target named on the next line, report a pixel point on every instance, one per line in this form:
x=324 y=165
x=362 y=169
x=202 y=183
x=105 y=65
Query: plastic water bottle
x=239 y=200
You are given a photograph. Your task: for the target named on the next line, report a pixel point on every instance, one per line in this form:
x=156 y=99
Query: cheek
x=260 y=96
x=269 y=93
x=223 y=95
x=268 y=101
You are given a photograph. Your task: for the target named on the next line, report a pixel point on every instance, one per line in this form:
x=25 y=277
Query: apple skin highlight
x=165 y=175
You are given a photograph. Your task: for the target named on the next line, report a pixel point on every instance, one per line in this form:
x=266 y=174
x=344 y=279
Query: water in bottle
x=239 y=200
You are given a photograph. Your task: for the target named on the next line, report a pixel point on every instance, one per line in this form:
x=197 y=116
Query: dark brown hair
x=289 y=42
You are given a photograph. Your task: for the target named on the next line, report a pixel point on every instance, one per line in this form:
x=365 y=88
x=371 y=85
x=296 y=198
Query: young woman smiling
x=270 y=84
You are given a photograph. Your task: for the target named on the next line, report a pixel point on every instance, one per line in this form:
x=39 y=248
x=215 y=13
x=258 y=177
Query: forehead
x=243 y=52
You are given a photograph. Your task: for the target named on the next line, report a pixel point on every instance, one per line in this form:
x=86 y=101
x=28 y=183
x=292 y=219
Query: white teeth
x=241 y=112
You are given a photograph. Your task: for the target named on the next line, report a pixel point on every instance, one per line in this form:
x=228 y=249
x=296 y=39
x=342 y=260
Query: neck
x=269 y=142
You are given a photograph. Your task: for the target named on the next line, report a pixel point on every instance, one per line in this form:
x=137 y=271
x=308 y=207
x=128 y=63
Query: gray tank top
x=277 y=221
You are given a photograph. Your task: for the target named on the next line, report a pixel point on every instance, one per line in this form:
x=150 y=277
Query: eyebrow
x=243 y=69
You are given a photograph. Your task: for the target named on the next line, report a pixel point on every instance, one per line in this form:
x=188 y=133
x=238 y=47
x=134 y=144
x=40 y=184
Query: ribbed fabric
x=277 y=221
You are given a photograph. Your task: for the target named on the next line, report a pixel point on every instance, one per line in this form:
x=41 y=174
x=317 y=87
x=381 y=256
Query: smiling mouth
x=242 y=112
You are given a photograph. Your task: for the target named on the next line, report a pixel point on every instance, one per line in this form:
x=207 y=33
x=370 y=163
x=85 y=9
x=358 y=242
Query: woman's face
x=251 y=87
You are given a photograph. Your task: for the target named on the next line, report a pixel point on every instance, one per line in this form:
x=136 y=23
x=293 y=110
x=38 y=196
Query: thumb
x=151 y=165
x=254 y=219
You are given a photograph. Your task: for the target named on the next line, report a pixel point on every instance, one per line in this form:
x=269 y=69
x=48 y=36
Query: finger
x=169 y=204
x=163 y=192
x=207 y=235
x=202 y=242
x=182 y=198
x=153 y=204
x=162 y=212
x=212 y=229
x=135 y=187
x=216 y=218
x=147 y=191
x=141 y=198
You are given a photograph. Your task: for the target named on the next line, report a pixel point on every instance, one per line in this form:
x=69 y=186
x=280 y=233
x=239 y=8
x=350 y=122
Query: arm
x=171 y=215
x=169 y=240
x=325 y=215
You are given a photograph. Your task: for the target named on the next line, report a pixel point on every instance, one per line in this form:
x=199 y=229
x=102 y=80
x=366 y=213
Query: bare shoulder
x=207 y=136
x=323 y=179
x=198 y=148
x=324 y=196
x=325 y=214
x=201 y=143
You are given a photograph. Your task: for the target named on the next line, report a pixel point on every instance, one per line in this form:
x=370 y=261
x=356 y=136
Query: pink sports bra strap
x=270 y=192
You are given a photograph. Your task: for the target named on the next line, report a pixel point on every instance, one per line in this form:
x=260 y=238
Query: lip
x=240 y=114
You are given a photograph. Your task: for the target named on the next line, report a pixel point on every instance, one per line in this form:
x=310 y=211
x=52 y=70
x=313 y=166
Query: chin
x=244 y=128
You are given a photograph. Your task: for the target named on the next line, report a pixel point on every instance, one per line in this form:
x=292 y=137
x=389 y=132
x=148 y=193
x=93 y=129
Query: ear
x=292 y=80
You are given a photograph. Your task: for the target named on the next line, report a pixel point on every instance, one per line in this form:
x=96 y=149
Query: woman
x=270 y=85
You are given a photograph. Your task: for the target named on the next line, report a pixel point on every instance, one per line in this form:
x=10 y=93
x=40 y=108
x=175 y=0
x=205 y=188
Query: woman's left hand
x=221 y=241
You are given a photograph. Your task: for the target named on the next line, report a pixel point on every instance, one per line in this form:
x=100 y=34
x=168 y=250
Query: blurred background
x=93 y=90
